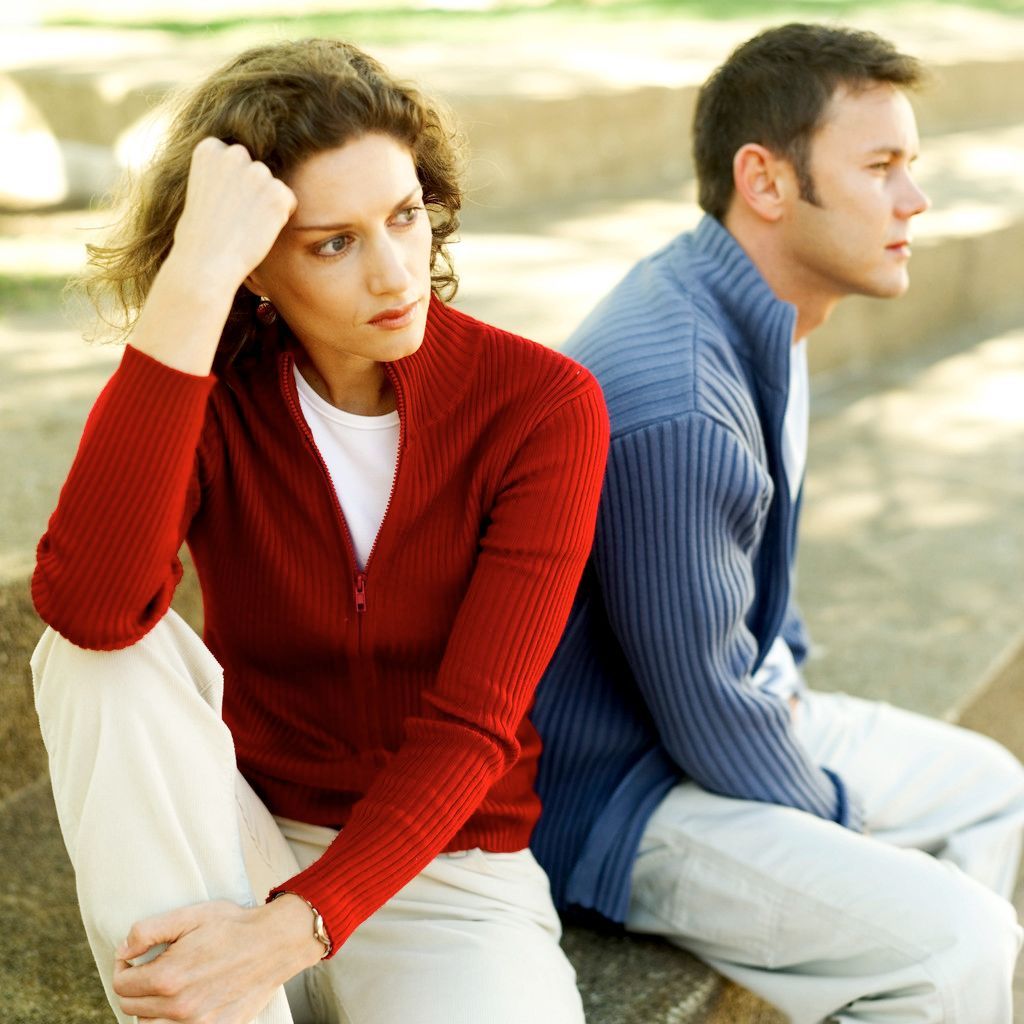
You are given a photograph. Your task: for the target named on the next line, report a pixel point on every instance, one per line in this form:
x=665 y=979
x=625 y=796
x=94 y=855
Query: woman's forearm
x=184 y=316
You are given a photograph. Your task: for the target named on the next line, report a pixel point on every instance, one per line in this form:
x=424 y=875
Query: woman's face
x=350 y=271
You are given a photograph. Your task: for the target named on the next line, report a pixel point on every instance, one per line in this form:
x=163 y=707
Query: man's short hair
x=774 y=89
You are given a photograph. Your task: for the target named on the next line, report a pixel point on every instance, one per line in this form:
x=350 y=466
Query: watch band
x=319 y=928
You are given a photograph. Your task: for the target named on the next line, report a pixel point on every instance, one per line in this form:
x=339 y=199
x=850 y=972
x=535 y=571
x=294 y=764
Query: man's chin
x=888 y=289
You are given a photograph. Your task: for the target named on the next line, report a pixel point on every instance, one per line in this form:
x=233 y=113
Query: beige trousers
x=155 y=816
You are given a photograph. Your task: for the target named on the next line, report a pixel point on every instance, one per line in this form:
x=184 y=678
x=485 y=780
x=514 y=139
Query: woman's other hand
x=222 y=963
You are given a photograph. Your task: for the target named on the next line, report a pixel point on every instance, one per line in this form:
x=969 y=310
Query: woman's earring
x=265 y=311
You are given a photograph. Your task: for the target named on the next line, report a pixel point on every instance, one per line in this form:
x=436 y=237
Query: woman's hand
x=234 y=210
x=222 y=963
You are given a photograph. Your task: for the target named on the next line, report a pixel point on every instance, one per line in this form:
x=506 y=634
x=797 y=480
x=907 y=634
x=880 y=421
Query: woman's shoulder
x=528 y=366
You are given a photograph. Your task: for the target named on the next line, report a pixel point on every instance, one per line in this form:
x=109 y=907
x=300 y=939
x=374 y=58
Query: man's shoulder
x=659 y=345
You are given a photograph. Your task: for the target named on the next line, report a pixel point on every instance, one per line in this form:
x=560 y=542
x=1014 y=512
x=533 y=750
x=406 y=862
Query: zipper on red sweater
x=400 y=405
x=359 y=581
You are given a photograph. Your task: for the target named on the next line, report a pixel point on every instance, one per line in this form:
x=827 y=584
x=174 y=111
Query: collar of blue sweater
x=761 y=325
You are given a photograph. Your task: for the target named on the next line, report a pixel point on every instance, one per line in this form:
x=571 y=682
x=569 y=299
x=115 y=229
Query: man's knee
x=1001 y=764
x=973 y=976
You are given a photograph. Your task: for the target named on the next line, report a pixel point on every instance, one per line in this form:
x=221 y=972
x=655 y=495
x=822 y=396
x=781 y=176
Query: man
x=692 y=786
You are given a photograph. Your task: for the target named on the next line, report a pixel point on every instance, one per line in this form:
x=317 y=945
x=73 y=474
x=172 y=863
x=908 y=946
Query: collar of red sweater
x=428 y=382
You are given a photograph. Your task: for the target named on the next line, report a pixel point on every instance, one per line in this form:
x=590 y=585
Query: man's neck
x=813 y=304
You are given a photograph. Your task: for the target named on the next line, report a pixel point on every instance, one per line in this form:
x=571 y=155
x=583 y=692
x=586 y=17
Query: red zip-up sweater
x=390 y=701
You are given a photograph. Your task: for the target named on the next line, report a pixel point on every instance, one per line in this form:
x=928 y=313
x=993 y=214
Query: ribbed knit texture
x=403 y=722
x=690 y=582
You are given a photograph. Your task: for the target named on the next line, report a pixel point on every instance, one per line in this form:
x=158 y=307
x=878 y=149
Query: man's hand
x=222 y=963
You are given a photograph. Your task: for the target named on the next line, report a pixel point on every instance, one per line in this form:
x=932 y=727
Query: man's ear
x=763 y=181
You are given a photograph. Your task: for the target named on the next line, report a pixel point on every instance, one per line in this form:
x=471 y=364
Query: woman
x=388 y=504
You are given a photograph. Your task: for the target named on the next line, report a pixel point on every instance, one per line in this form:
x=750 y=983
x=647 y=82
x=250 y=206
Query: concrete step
x=541 y=128
x=912 y=533
x=604 y=138
x=545 y=121
x=46 y=968
x=623 y=980
x=539 y=269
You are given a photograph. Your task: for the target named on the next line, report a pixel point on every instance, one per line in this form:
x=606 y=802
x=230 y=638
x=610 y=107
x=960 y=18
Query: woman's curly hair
x=285 y=103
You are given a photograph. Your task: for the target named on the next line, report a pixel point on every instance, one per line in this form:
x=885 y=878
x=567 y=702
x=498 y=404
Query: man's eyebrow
x=400 y=205
x=896 y=151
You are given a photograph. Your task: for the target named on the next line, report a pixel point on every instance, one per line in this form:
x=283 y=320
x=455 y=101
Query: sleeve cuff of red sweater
x=138 y=365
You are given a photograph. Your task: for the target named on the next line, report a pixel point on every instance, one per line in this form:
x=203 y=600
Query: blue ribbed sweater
x=691 y=574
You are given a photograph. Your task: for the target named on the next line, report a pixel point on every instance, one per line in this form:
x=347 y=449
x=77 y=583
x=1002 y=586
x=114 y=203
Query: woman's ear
x=252 y=283
x=762 y=180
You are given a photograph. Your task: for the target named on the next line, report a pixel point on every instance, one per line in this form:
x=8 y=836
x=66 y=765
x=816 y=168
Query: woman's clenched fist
x=234 y=211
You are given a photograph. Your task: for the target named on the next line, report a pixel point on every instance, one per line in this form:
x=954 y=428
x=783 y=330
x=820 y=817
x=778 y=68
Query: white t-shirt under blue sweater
x=778 y=673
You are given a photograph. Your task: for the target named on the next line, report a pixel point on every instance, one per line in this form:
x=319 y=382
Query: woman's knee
x=171 y=652
x=84 y=698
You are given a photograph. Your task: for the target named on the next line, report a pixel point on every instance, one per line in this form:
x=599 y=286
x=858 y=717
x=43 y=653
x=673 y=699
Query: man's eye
x=333 y=246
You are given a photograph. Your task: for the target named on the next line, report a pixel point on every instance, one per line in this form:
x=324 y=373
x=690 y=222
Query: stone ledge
x=513 y=135
x=47 y=972
x=46 y=968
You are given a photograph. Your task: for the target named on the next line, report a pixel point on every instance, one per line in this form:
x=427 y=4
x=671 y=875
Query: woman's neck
x=358 y=386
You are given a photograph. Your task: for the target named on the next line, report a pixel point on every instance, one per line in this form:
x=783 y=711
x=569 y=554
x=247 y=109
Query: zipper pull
x=360 y=592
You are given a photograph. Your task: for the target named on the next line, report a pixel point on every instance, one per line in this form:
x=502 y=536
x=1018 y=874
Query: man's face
x=856 y=240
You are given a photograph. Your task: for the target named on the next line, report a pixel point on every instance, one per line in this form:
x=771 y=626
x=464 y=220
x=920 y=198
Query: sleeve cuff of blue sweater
x=849 y=807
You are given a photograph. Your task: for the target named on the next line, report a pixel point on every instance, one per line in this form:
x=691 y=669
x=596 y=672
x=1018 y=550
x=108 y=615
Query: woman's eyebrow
x=403 y=202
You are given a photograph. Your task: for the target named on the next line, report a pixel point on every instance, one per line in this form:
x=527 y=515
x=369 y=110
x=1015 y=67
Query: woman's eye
x=333 y=246
x=409 y=215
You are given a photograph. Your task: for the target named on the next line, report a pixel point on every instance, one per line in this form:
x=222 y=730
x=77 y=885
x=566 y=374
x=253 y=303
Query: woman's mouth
x=396 y=317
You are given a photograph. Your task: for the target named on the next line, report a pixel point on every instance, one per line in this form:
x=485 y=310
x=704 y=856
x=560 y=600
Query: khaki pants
x=908 y=925
x=155 y=816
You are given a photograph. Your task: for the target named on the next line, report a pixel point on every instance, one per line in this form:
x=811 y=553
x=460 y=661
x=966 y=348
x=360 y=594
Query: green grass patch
x=31 y=293
x=424 y=25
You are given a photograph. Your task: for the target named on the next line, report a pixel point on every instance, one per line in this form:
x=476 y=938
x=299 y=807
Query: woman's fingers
x=152 y=931
x=220 y=963
x=234 y=210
